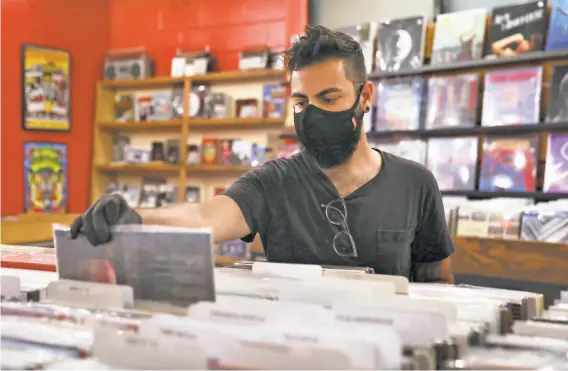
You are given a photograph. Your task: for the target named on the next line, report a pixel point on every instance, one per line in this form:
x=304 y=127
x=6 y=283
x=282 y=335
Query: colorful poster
x=46 y=89
x=45 y=177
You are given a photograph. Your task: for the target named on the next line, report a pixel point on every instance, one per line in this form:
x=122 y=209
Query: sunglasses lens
x=343 y=244
x=335 y=212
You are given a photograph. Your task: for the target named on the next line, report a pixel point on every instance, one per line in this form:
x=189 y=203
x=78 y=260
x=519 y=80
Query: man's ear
x=367 y=96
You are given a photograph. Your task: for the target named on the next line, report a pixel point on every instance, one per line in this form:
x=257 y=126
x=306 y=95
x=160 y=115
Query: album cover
x=131 y=193
x=242 y=151
x=155 y=261
x=364 y=34
x=234 y=249
x=459 y=36
x=509 y=164
x=193 y=154
x=545 y=225
x=512 y=97
x=558 y=26
x=209 y=151
x=173 y=147
x=217 y=105
x=150 y=190
x=124 y=107
x=273 y=101
x=119 y=147
x=193 y=195
x=225 y=152
x=288 y=149
x=257 y=155
x=161 y=106
x=197 y=98
x=177 y=103
x=453 y=162
x=400 y=104
x=558 y=98
x=400 y=44
x=556 y=166
x=452 y=101
x=144 y=108
x=158 y=151
x=45 y=177
x=517 y=29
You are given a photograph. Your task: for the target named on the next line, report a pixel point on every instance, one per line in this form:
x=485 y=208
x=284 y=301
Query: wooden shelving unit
x=106 y=127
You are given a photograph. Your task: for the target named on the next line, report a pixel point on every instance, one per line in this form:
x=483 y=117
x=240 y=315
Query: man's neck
x=358 y=170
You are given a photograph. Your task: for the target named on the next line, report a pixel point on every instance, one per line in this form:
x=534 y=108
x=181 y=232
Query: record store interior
x=284 y=185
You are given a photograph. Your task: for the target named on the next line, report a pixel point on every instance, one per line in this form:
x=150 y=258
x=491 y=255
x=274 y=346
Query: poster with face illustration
x=45 y=177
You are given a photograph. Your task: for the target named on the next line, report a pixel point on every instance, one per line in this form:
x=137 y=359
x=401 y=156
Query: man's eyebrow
x=319 y=95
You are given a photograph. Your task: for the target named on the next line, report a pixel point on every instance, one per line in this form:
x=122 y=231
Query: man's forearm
x=439 y=271
x=178 y=215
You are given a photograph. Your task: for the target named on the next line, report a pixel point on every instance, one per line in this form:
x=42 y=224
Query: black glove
x=97 y=222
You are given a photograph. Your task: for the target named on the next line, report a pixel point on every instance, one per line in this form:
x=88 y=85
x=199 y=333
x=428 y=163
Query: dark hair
x=320 y=44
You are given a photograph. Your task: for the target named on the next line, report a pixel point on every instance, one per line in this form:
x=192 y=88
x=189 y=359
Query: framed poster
x=45 y=177
x=46 y=89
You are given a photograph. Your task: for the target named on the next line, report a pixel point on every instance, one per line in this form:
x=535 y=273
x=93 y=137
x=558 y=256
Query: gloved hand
x=97 y=222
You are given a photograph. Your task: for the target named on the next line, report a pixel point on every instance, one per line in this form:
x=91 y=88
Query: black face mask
x=329 y=137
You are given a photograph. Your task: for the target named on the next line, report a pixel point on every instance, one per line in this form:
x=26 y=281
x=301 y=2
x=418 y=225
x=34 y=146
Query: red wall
x=227 y=26
x=88 y=28
x=82 y=27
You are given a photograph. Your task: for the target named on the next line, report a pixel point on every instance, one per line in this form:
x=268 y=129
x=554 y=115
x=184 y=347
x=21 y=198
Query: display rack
x=105 y=127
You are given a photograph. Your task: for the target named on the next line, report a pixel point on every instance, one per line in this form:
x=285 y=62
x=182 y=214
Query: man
x=338 y=202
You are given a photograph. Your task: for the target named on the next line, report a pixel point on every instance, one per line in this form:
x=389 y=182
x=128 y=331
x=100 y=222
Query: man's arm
x=241 y=211
x=432 y=244
x=221 y=213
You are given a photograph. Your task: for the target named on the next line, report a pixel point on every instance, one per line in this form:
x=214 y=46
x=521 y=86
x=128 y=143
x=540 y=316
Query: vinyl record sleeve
x=512 y=97
x=556 y=166
x=459 y=36
x=558 y=97
x=509 y=164
x=400 y=104
x=517 y=29
x=558 y=26
x=453 y=162
x=400 y=44
x=452 y=101
x=161 y=264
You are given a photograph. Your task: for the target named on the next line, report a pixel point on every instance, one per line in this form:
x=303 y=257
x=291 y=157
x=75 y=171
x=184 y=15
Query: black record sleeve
x=517 y=29
x=400 y=44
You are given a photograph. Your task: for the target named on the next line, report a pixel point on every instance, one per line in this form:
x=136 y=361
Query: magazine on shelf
x=162 y=264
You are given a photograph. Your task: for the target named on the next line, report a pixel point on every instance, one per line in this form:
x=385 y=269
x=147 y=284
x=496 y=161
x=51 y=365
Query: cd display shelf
x=105 y=128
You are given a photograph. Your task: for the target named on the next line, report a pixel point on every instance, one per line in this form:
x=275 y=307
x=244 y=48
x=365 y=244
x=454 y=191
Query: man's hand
x=440 y=271
x=97 y=222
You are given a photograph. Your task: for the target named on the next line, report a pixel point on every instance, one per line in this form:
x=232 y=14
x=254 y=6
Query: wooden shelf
x=141 y=125
x=538 y=195
x=149 y=167
x=153 y=82
x=16 y=229
x=239 y=76
x=236 y=123
x=478 y=64
x=511 y=259
x=217 y=169
x=226 y=260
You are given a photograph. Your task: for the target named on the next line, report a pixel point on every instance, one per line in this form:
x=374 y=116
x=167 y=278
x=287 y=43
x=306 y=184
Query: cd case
x=163 y=265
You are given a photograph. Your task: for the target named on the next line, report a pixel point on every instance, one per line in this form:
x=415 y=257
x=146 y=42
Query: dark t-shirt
x=396 y=219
